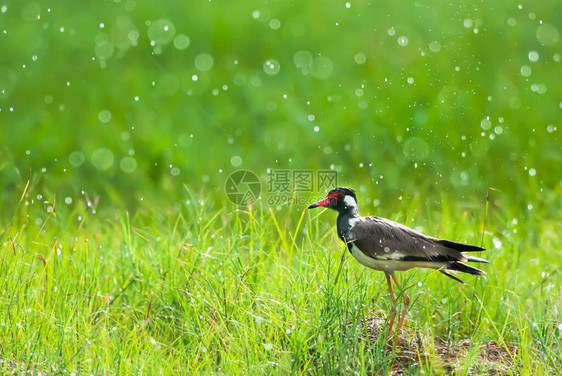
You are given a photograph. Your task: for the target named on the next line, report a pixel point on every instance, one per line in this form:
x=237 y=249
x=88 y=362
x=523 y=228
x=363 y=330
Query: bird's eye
x=340 y=196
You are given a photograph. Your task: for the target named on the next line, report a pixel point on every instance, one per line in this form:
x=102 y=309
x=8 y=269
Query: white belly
x=389 y=265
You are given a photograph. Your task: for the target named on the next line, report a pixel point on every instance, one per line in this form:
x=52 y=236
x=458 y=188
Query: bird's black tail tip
x=461 y=247
x=460 y=267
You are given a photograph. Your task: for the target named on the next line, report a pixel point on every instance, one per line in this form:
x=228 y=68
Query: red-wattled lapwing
x=385 y=245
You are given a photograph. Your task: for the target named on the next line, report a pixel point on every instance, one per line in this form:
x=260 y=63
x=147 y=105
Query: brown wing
x=381 y=238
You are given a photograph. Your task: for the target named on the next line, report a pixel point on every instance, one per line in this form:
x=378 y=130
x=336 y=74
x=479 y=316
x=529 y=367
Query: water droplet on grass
x=128 y=164
x=76 y=158
x=303 y=59
x=274 y=24
x=8 y=80
x=181 y=41
x=526 y=71
x=547 y=34
x=271 y=67
x=204 y=62
x=360 y=58
x=236 y=160
x=104 y=116
x=416 y=149
x=435 y=46
x=322 y=67
x=102 y=159
x=161 y=31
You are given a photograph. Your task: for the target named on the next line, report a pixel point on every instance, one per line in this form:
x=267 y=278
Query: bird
x=388 y=246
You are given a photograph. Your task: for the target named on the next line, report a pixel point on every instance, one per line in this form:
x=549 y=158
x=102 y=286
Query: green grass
x=212 y=289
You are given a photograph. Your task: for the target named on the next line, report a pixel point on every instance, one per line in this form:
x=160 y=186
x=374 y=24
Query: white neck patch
x=350 y=202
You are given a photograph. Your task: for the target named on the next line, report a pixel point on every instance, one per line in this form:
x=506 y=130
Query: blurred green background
x=135 y=100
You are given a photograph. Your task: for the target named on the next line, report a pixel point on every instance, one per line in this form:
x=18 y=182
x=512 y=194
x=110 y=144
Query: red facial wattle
x=325 y=202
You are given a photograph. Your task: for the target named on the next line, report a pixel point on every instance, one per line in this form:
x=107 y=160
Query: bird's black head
x=340 y=199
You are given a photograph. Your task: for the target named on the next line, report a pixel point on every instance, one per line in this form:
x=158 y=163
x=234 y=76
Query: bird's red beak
x=322 y=203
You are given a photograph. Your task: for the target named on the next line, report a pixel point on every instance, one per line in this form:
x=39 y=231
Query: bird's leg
x=406 y=299
x=393 y=298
